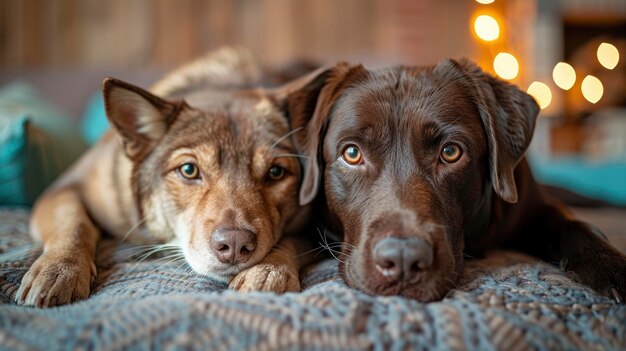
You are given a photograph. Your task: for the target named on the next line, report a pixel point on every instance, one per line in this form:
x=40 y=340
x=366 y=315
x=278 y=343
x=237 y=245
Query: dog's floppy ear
x=140 y=117
x=308 y=101
x=508 y=115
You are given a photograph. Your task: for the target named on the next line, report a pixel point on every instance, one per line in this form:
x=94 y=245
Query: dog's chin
x=427 y=289
x=214 y=269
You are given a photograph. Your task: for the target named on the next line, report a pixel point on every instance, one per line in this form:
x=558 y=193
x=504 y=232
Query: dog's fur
x=401 y=118
x=130 y=184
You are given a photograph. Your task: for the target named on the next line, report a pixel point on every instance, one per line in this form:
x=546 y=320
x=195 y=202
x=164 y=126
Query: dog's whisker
x=339 y=244
x=133 y=228
x=174 y=258
x=158 y=248
x=143 y=248
x=336 y=258
x=342 y=245
x=468 y=256
x=319 y=249
x=291 y=155
x=177 y=255
x=287 y=135
x=324 y=244
x=333 y=250
x=149 y=251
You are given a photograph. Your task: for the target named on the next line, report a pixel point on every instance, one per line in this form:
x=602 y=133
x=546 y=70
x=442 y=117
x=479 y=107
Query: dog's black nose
x=402 y=258
x=233 y=245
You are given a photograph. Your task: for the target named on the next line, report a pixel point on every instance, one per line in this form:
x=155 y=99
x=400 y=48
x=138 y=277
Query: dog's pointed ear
x=307 y=102
x=140 y=117
x=508 y=116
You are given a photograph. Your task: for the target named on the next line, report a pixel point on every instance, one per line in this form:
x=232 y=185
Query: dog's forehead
x=409 y=93
x=249 y=118
x=235 y=131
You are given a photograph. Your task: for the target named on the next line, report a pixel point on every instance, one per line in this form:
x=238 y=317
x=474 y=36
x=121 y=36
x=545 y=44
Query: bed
x=506 y=301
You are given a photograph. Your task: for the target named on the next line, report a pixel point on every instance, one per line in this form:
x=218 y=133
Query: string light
x=541 y=92
x=608 y=55
x=486 y=28
x=506 y=65
x=564 y=75
x=592 y=89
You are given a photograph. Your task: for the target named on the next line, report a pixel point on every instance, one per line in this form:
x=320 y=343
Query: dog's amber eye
x=189 y=171
x=352 y=155
x=276 y=173
x=451 y=153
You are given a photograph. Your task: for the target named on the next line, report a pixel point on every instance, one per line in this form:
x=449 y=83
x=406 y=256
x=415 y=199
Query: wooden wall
x=140 y=33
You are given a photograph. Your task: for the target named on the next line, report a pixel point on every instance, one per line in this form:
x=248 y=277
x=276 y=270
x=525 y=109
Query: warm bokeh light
x=541 y=92
x=486 y=27
x=608 y=55
x=506 y=65
x=564 y=75
x=592 y=89
x=485 y=2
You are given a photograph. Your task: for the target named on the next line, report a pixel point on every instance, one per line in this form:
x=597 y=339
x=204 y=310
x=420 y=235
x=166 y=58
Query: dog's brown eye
x=451 y=153
x=189 y=171
x=276 y=173
x=352 y=155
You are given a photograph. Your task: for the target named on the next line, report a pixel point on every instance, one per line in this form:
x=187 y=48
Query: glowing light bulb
x=564 y=75
x=608 y=55
x=506 y=65
x=592 y=89
x=486 y=27
x=485 y=2
x=541 y=92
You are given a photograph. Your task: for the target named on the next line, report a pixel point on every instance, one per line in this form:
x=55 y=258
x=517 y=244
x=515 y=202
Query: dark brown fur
x=401 y=118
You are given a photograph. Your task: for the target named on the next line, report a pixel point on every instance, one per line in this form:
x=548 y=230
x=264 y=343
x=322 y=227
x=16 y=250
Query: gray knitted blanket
x=506 y=301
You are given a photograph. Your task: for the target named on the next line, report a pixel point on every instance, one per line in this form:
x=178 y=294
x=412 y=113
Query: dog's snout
x=233 y=245
x=402 y=258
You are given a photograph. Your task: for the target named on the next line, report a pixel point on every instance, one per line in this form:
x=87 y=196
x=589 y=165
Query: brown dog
x=421 y=165
x=212 y=176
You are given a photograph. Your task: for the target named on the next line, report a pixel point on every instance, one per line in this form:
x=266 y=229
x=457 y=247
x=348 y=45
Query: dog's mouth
x=429 y=289
x=208 y=264
x=407 y=267
x=226 y=251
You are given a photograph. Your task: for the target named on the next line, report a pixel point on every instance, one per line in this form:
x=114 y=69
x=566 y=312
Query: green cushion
x=37 y=142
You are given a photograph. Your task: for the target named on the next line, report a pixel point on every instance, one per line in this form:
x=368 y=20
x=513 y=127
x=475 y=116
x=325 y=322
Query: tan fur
x=128 y=184
x=227 y=67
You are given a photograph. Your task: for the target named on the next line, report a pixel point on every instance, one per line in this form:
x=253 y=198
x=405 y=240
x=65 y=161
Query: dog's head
x=219 y=178
x=408 y=158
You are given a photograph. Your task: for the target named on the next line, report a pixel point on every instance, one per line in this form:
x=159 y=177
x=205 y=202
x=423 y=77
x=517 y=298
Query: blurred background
x=568 y=54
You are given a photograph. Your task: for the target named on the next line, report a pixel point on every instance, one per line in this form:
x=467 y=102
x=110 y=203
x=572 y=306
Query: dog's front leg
x=591 y=259
x=583 y=252
x=65 y=270
x=278 y=271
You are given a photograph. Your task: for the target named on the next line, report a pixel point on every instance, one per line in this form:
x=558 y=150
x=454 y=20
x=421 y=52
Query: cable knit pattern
x=506 y=301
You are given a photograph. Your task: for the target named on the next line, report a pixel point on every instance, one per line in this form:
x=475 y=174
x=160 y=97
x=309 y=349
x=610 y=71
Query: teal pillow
x=598 y=180
x=37 y=142
x=94 y=122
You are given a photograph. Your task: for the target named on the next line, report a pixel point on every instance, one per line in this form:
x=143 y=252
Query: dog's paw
x=605 y=274
x=56 y=280
x=267 y=277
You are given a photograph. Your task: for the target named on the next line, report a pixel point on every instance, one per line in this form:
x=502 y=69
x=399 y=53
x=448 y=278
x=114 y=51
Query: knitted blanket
x=506 y=301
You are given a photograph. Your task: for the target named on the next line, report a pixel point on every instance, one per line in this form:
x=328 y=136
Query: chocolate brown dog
x=423 y=164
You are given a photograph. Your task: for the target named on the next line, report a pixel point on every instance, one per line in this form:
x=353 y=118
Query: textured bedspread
x=506 y=301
